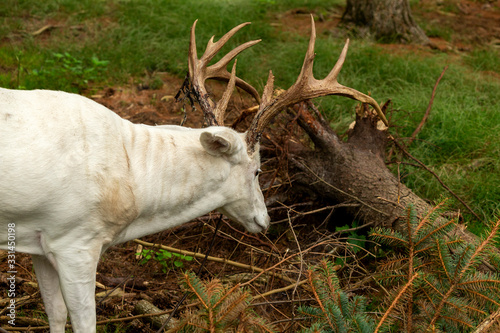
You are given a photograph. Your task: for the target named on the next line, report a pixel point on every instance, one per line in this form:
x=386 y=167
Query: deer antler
x=306 y=87
x=199 y=73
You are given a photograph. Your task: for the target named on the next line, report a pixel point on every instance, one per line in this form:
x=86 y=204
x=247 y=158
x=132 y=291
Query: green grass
x=107 y=42
x=484 y=59
x=436 y=30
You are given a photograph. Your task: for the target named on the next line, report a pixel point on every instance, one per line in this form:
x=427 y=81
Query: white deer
x=77 y=179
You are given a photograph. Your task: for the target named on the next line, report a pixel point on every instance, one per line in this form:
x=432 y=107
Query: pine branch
x=488 y=322
x=429 y=298
x=463 y=271
x=215 y=290
x=482 y=246
x=435 y=231
x=393 y=264
x=427 y=218
x=194 y=284
x=431 y=285
x=454 y=319
x=468 y=307
x=260 y=323
x=424 y=249
x=409 y=221
x=233 y=309
x=320 y=303
x=424 y=266
x=480 y=296
x=475 y=282
x=226 y=294
x=220 y=309
x=393 y=304
x=462 y=259
x=444 y=259
x=383 y=236
x=330 y=277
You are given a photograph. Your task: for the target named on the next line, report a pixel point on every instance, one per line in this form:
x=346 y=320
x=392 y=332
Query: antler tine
x=222 y=105
x=306 y=87
x=219 y=72
x=307 y=67
x=332 y=77
x=199 y=73
x=213 y=48
x=340 y=62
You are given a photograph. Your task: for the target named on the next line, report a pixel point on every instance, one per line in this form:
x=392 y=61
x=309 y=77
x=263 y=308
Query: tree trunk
x=389 y=20
x=354 y=171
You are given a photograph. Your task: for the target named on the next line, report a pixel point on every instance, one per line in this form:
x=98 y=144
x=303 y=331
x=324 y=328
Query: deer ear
x=220 y=143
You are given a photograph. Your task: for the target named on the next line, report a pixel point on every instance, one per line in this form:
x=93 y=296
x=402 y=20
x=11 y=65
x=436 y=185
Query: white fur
x=76 y=179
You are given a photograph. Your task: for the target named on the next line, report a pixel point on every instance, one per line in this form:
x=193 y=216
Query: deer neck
x=173 y=179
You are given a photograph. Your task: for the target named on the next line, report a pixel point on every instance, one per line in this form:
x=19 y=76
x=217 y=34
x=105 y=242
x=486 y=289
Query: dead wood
x=23 y=321
x=145 y=307
x=428 y=110
x=352 y=171
x=487 y=324
x=355 y=171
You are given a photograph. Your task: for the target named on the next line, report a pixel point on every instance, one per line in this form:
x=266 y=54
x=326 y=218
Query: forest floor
x=469 y=24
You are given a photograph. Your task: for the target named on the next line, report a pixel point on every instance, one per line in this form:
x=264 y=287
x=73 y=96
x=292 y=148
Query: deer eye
x=257 y=172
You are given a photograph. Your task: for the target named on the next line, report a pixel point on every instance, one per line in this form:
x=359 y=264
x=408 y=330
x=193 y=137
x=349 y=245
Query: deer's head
x=242 y=194
x=248 y=208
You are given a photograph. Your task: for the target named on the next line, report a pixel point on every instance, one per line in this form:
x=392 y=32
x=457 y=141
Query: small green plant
x=335 y=311
x=166 y=258
x=355 y=241
x=220 y=309
x=64 y=71
x=433 y=279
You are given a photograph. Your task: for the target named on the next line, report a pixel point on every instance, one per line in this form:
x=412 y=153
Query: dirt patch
x=140 y=104
x=473 y=23
x=298 y=21
x=454 y=25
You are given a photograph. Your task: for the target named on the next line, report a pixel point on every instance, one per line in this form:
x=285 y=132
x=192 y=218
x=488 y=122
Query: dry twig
x=428 y=111
x=216 y=259
x=400 y=146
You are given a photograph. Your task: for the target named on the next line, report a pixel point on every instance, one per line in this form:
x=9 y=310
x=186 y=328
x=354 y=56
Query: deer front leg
x=77 y=265
x=48 y=281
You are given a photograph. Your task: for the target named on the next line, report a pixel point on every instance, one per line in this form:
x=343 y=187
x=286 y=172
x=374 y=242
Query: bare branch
x=429 y=107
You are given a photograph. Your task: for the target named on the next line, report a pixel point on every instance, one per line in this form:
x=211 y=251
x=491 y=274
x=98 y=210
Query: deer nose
x=263 y=223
